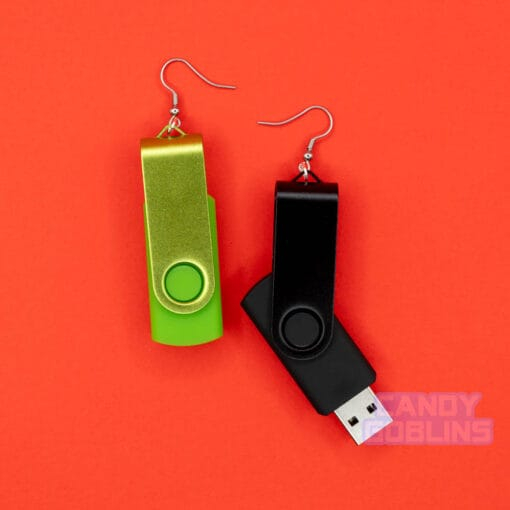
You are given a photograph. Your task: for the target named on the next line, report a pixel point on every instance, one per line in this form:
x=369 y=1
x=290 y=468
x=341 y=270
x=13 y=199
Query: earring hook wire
x=304 y=167
x=175 y=122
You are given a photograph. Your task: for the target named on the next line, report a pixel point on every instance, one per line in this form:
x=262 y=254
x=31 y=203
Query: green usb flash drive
x=182 y=246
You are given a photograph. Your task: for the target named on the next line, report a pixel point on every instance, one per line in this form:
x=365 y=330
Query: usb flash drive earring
x=180 y=227
x=293 y=306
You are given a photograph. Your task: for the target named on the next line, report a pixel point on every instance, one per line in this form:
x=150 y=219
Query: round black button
x=302 y=329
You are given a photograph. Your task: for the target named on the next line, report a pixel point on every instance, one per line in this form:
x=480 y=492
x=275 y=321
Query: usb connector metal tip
x=363 y=415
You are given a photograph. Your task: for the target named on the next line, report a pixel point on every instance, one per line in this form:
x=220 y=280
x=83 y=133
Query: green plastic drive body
x=182 y=245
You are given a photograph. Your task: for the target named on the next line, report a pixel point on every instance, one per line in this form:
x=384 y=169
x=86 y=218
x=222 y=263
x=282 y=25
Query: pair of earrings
x=180 y=225
x=292 y=307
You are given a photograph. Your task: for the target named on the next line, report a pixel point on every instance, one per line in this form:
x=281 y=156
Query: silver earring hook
x=174 y=120
x=304 y=167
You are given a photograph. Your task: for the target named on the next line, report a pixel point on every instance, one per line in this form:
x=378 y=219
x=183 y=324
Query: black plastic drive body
x=293 y=307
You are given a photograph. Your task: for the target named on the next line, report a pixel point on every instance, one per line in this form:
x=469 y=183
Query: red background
x=96 y=415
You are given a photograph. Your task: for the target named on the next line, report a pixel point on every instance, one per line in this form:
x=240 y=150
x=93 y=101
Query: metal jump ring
x=304 y=168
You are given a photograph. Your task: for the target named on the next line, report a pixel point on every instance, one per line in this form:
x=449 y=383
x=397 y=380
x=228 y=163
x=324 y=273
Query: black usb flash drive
x=293 y=310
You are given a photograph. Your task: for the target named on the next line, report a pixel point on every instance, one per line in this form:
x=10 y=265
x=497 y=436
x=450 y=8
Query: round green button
x=184 y=282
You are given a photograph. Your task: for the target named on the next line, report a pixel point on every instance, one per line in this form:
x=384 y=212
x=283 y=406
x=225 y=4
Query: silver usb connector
x=363 y=415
